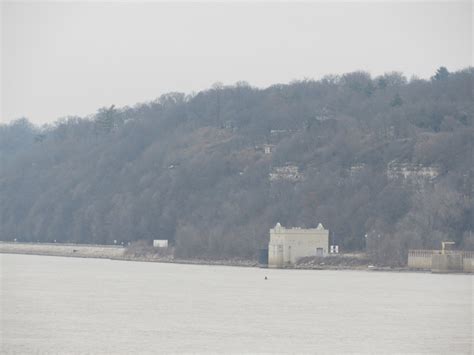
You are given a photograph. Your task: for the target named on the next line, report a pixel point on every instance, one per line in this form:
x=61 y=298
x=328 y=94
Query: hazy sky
x=71 y=58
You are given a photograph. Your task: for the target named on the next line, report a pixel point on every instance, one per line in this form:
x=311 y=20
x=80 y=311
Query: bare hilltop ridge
x=385 y=163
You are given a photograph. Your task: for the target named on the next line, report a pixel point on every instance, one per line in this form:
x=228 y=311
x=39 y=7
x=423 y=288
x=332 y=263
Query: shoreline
x=111 y=252
x=118 y=253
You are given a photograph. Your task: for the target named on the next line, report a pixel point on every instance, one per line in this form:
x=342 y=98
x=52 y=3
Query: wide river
x=63 y=305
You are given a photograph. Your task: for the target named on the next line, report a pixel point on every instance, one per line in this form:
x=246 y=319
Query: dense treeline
x=193 y=169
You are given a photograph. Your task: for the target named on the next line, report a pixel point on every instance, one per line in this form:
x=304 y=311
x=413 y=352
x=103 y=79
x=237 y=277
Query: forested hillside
x=380 y=161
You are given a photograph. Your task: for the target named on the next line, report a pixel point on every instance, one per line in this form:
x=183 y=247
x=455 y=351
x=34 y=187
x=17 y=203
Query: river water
x=71 y=305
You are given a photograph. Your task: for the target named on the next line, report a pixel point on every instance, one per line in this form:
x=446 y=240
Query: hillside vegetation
x=384 y=163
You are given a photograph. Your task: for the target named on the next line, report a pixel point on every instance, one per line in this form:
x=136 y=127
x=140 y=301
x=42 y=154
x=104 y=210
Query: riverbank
x=121 y=253
x=112 y=252
x=64 y=249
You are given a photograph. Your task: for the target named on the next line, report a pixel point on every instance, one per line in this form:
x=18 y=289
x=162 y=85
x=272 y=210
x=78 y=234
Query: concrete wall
x=420 y=259
x=451 y=261
x=468 y=264
x=446 y=263
x=288 y=245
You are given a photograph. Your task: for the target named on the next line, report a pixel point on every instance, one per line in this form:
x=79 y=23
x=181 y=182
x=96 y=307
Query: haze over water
x=73 y=305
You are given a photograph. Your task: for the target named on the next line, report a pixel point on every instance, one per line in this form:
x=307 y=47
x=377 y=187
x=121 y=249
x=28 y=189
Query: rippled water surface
x=72 y=305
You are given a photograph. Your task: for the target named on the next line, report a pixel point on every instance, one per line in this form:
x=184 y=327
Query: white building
x=160 y=243
x=268 y=148
x=288 y=245
x=417 y=173
x=288 y=173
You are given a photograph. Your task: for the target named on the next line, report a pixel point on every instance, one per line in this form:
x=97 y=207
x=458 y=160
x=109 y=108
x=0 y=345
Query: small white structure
x=288 y=245
x=334 y=249
x=160 y=243
x=288 y=173
x=416 y=173
x=268 y=148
